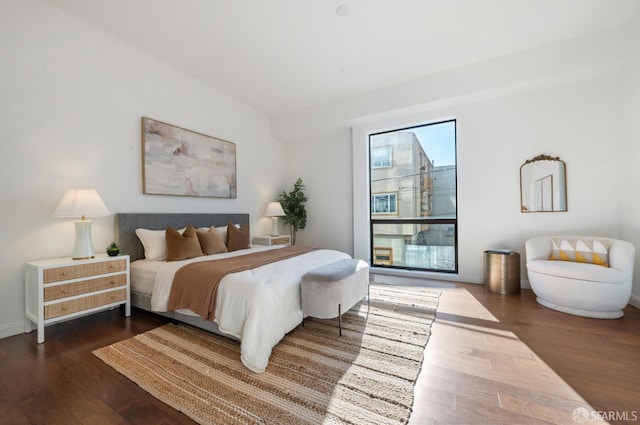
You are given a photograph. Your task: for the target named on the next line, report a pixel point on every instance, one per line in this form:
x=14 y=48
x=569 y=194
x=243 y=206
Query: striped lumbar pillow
x=594 y=251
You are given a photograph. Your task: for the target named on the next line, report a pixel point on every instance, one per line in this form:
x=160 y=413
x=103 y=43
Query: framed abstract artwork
x=176 y=161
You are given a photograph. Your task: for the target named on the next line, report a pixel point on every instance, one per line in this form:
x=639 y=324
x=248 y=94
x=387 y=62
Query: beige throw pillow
x=182 y=247
x=211 y=242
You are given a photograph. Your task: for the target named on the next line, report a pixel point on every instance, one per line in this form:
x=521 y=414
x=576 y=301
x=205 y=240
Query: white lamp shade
x=82 y=203
x=274 y=209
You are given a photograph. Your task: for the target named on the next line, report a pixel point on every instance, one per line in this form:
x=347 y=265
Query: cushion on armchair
x=594 y=251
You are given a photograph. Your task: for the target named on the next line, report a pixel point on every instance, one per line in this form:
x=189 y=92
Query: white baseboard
x=11 y=329
x=635 y=301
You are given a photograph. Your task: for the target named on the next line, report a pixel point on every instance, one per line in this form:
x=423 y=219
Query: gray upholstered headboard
x=127 y=223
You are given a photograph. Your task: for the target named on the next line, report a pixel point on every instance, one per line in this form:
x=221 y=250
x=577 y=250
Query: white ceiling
x=285 y=55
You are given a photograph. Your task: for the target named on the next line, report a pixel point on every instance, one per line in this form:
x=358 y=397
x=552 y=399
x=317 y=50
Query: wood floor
x=504 y=359
x=491 y=359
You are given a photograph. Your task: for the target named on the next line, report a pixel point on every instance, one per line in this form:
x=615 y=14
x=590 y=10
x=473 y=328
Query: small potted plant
x=113 y=249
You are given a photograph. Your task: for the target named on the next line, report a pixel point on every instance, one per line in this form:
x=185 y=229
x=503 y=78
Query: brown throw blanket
x=195 y=285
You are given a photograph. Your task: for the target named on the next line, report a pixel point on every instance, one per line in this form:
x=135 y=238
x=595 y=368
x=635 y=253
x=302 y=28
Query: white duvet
x=257 y=306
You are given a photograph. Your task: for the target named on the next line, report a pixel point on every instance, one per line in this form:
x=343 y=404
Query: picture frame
x=181 y=162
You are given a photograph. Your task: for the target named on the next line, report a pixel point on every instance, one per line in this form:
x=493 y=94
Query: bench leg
x=340 y=319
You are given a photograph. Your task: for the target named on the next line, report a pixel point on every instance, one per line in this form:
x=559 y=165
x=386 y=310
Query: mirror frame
x=524 y=209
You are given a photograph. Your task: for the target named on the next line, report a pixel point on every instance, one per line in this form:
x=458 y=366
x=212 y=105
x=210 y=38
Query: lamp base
x=274 y=226
x=83 y=248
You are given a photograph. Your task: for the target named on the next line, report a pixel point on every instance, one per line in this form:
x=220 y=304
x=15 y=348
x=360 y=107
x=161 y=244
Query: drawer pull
x=111 y=266
x=112 y=282
x=64 y=291
x=112 y=297
x=65 y=308
x=64 y=274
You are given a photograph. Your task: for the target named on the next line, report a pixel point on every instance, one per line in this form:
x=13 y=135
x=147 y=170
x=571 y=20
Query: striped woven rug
x=314 y=376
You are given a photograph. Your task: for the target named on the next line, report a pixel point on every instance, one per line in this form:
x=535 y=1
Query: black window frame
x=426 y=221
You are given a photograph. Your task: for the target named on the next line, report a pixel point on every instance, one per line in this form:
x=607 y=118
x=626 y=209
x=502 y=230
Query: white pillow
x=154 y=243
x=222 y=231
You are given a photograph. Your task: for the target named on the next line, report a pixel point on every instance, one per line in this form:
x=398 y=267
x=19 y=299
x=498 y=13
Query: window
x=386 y=203
x=381 y=157
x=383 y=256
x=413 y=220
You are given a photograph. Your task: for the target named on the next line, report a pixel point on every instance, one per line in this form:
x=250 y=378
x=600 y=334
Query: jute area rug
x=314 y=376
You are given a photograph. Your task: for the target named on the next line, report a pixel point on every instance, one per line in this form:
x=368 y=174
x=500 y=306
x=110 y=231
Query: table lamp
x=274 y=210
x=82 y=203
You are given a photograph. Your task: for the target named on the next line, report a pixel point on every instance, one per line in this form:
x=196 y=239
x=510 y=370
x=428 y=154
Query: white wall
x=323 y=162
x=630 y=182
x=562 y=62
x=70 y=108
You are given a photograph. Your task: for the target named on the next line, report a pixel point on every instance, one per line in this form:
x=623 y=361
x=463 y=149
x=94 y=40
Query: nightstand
x=272 y=240
x=61 y=289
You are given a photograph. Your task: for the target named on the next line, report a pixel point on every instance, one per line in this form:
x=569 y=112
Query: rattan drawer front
x=83 y=270
x=80 y=304
x=280 y=241
x=92 y=285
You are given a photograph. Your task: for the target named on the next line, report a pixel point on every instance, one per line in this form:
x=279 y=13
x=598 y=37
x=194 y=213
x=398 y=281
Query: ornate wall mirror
x=543 y=184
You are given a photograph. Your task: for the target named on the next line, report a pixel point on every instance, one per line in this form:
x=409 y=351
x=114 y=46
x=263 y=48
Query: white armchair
x=577 y=288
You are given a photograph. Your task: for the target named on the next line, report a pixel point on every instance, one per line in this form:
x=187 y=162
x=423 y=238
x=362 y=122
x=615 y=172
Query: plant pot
x=113 y=253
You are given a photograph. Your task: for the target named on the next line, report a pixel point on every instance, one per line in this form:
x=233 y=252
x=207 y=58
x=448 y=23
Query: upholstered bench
x=330 y=290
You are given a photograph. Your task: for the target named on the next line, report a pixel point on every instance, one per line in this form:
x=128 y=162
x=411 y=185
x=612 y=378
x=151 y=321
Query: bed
x=256 y=307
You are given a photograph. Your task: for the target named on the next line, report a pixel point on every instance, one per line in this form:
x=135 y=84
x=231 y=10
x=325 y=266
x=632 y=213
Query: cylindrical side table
x=502 y=271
